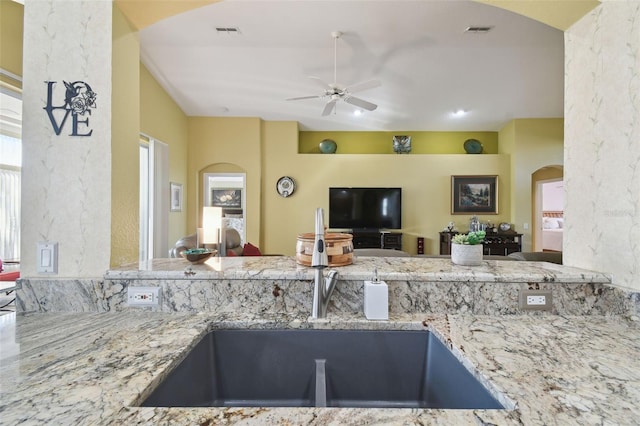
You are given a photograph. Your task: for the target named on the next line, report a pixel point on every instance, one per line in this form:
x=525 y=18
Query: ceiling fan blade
x=360 y=103
x=321 y=83
x=328 y=108
x=363 y=86
x=304 y=97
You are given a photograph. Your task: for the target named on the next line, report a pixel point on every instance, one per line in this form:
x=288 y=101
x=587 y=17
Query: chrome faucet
x=323 y=288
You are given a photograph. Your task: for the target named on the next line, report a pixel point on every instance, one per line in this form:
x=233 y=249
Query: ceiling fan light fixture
x=357 y=112
x=336 y=92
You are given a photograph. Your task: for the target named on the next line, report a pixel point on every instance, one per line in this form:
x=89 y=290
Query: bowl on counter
x=199 y=255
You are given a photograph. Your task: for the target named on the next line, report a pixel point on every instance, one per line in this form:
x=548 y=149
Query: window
x=10 y=174
x=154 y=198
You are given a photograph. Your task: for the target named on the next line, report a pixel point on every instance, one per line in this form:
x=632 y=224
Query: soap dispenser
x=376 y=298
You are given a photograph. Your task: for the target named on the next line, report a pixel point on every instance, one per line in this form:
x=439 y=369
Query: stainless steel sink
x=334 y=368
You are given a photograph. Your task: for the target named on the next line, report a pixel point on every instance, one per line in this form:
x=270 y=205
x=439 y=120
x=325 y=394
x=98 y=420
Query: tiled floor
x=7 y=298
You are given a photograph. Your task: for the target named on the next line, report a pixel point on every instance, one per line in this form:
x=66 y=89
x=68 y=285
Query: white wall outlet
x=539 y=300
x=536 y=300
x=47 y=258
x=143 y=296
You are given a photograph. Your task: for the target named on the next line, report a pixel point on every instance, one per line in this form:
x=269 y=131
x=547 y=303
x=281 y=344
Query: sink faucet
x=322 y=288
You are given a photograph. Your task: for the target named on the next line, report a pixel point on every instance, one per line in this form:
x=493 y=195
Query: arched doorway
x=224 y=185
x=547 y=202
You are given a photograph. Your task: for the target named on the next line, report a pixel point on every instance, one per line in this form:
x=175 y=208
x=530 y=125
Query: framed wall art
x=176 y=196
x=226 y=198
x=474 y=194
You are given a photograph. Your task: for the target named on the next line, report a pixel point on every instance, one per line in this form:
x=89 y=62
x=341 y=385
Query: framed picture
x=176 y=196
x=227 y=198
x=474 y=194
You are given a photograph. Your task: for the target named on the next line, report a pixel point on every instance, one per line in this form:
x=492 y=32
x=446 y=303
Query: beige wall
x=11 y=29
x=225 y=145
x=425 y=179
x=125 y=156
x=531 y=145
x=162 y=119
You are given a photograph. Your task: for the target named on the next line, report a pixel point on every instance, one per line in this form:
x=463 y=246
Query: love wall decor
x=79 y=100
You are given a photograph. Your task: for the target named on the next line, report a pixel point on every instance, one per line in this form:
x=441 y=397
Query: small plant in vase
x=466 y=249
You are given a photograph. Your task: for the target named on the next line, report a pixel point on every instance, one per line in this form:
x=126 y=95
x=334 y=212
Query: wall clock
x=285 y=186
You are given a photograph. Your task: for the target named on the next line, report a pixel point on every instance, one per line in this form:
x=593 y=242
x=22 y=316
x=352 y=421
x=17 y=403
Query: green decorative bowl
x=197 y=256
x=328 y=146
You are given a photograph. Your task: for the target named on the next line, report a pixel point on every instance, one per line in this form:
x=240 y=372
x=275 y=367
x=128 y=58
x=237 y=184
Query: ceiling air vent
x=228 y=30
x=477 y=30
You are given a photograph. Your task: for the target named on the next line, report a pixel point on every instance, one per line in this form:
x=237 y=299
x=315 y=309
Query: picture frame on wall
x=176 y=196
x=227 y=198
x=474 y=194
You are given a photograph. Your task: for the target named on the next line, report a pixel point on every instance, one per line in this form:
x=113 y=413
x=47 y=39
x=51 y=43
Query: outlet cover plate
x=536 y=300
x=143 y=296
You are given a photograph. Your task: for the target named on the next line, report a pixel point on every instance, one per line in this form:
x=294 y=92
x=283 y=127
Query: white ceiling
x=428 y=66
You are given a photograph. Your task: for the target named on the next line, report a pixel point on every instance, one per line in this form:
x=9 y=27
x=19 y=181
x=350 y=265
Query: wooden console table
x=495 y=243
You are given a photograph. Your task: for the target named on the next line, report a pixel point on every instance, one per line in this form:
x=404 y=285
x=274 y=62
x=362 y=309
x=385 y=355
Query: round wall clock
x=285 y=186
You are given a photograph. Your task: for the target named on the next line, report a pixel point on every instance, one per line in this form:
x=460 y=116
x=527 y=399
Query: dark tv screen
x=365 y=208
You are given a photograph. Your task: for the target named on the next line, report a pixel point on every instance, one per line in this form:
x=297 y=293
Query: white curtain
x=9 y=213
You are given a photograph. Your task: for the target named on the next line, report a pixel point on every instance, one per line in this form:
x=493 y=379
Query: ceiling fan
x=335 y=92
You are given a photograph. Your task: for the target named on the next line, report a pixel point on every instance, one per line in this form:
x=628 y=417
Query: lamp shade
x=211 y=225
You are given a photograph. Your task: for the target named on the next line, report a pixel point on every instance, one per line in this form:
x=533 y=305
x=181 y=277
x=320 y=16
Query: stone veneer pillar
x=602 y=142
x=66 y=183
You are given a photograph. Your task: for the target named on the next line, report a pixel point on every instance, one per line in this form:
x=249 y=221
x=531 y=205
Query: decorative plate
x=504 y=226
x=473 y=146
x=285 y=186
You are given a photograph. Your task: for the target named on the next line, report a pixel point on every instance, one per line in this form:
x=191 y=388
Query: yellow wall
x=425 y=179
x=381 y=142
x=162 y=119
x=125 y=129
x=232 y=145
x=560 y=14
x=267 y=151
x=11 y=30
x=531 y=144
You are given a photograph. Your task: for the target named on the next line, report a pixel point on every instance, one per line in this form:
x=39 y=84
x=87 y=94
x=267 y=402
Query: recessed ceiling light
x=459 y=113
x=357 y=112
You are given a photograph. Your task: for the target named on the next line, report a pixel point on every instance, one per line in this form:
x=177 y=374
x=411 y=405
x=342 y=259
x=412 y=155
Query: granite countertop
x=92 y=368
x=389 y=268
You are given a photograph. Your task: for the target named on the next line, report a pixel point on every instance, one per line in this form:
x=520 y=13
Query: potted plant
x=466 y=249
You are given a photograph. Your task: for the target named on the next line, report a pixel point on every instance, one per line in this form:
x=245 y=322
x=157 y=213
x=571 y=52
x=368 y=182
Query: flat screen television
x=365 y=208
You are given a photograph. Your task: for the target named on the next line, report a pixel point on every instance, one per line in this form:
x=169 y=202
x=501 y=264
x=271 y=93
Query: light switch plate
x=47 y=257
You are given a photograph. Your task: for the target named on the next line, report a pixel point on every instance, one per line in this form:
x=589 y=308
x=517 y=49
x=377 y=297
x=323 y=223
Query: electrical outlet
x=540 y=300
x=143 y=296
x=536 y=300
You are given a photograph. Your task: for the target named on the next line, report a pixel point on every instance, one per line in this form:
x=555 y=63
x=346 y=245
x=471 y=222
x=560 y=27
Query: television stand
x=377 y=239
